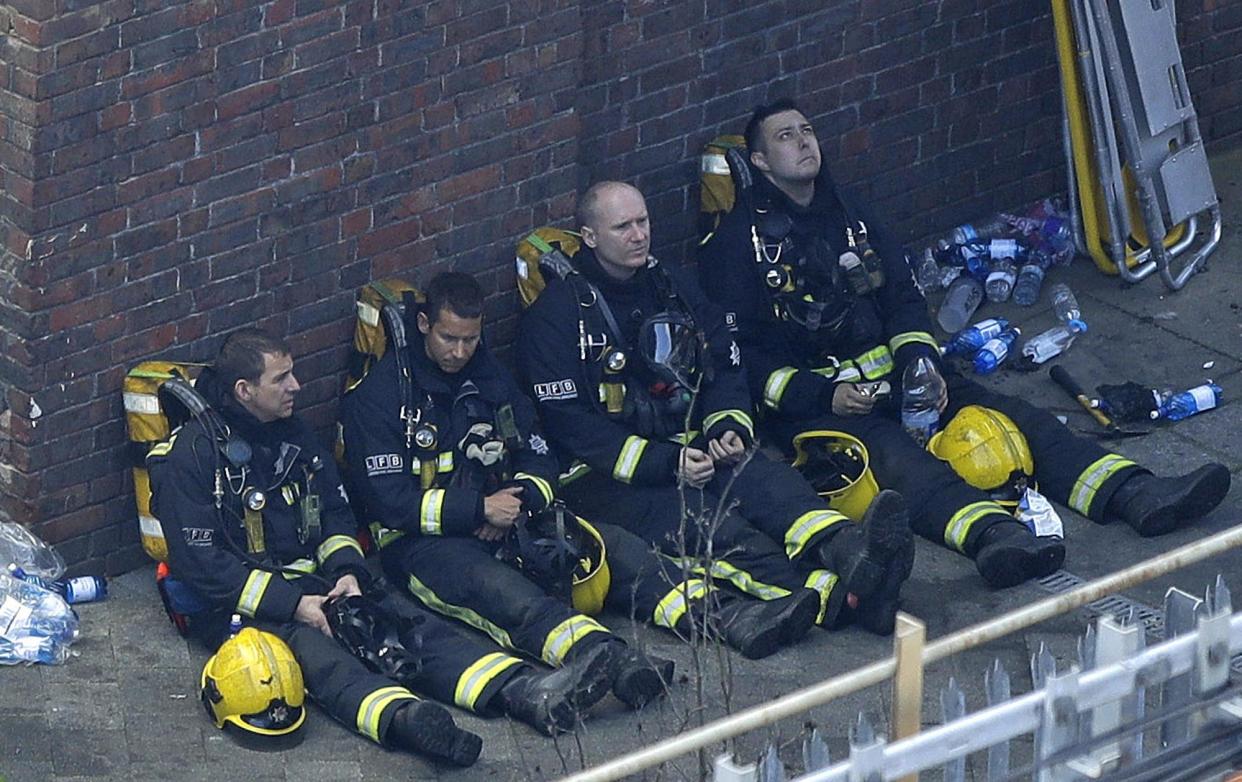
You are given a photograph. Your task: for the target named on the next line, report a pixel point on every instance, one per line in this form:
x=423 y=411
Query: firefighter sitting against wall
x=258 y=525
x=823 y=304
x=620 y=352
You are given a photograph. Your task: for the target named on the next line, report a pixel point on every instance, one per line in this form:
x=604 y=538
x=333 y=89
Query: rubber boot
x=758 y=628
x=428 y=729
x=551 y=700
x=1008 y=554
x=875 y=556
x=637 y=678
x=1155 y=506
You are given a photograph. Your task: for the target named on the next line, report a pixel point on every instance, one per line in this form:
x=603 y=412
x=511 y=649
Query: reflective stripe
x=430 y=599
x=545 y=488
x=150 y=526
x=368 y=314
x=1092 y=478
x=333 y=544
x=627 y=460
x=673 y=606
x=302 y=566
x=911 y=337
x=371 y=710
x=848 y=373
x=563 y=637
x=822 y=581
x=876 y=362
x=958 y=528
x=774 y=389
x=575 y=471
x=429 y=512
x=714 y=163
x=160 y=449
x=444 y=462
x=383 y=535
x=135 y=402
x=252 y=592
x=474 y=680
x=744 y=581
x=806 y=527
x=737 y=415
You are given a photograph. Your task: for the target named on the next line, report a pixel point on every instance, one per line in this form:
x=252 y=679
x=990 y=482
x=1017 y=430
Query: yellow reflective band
x=627 y=460
x=910 y=338
x=444 y=462
x=673 y=606
x=302 y=566
x=160 y=449
x=848 y=373
x=371 y=710
x=959 y=525
x=474 y=680
x=429 y=512
x=563 y=637
x=1092 y=478
x=333 y=544
x=252 y=592
x=774 y=389
x=744 y=581
x=822 y=581
x=737 y=415
x=287 y=493
x=383 y=535
x=575 y=471
x=545 y=488
x=462 y=614
x=806 y=527
x=876 y=362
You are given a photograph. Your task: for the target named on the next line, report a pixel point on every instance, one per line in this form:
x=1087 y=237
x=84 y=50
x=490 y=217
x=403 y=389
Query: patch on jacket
x=197 y=536
x=557 y=389
x=538 y=444
x=384 y=464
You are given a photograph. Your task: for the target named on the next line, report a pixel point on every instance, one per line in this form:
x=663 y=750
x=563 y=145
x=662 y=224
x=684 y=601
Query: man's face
x=271 y=396
x=451 y=340
x=619 y=231
x=789 y=150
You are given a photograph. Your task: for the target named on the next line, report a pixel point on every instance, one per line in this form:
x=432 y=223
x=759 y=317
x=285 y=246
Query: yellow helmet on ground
x=254 y=683
x=838 y=466
x=986 y=448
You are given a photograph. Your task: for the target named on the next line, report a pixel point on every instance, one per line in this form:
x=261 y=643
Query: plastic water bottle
x=1004 y=249
x=36 y=624
x=1064 y=303
x=927 y=272
x=921 y=389
x=1052 y=342
x=1000 y=281
x=235 y=625
x=995 y=351
x=1187 y=403
x=83 y=589
x=1026 y=288
x=968 y=341
x=960 y=302
x=965 y=234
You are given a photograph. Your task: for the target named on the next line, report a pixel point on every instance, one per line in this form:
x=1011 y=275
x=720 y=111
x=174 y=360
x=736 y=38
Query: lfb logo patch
x=384 y=464
x=557 y=389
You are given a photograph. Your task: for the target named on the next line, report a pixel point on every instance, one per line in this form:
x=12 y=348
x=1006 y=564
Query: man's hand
x=310 y=612
x=728 y=448
x=503 y=508
x=848 y=400
x=346 y=585
x=697 y=468
x=489 y=534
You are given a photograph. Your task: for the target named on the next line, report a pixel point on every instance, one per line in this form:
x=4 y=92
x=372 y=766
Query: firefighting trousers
x=731 y=526
x=456 y=666
x=1071 y=470
x=461 y=578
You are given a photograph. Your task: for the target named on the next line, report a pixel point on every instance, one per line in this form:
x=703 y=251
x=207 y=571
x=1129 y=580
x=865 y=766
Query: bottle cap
x=1077 y=326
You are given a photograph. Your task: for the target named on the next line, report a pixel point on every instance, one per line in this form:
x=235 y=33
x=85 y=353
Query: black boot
x=1008 y=554
x=551 y=700
x=875 y=556
x=758 y=628
x=428 y=729
x=637 y=678
x=1154 y=506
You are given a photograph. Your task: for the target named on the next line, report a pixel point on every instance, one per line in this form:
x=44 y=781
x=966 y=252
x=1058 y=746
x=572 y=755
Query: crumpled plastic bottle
x=36 y=625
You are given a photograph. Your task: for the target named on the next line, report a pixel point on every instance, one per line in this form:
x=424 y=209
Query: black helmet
x=375 y=635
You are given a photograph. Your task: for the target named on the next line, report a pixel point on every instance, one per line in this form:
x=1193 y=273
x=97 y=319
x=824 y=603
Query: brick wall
x=171 y=170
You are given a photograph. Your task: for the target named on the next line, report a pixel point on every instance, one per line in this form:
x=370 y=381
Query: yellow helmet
x=986 y=448
x=838 y=466
x=592 y=578
x=562 y=553
x=254 y=683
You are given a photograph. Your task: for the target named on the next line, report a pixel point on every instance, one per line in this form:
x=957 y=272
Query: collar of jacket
x=587 y=263
x=826 y=199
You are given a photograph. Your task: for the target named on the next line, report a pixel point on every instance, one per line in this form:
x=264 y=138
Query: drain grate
x=1119 y=607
